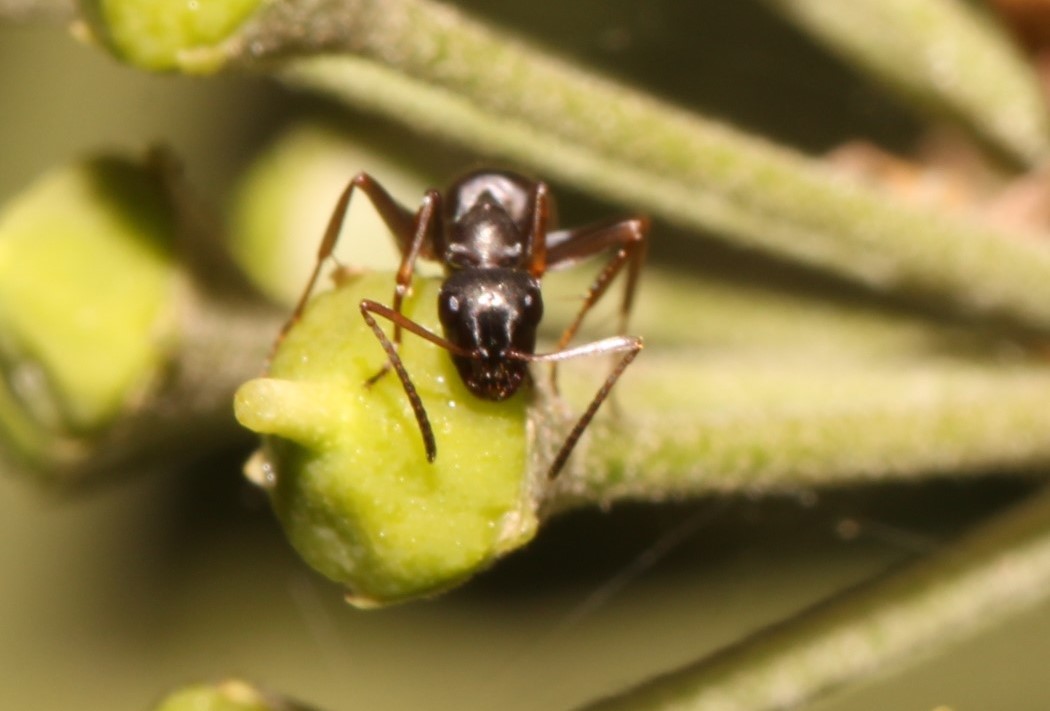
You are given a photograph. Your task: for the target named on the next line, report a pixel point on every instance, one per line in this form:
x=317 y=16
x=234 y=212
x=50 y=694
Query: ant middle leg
x=568 y=248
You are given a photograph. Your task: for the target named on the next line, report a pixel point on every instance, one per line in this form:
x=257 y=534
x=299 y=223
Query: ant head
x=493 y=314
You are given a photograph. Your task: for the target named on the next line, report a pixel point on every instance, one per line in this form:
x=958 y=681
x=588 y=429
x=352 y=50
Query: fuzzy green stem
x=998 y=571
x=730 y=421
x=940 y=50
x=675 y=310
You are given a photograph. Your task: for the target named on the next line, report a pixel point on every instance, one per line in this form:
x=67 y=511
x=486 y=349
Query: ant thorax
x=485 y=236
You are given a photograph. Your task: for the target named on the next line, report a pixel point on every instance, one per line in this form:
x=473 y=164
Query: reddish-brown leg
x=369 y=307
x=565 y=249
x=425 y=227
x=536 y=250
x=628 y=345
x=398 y=220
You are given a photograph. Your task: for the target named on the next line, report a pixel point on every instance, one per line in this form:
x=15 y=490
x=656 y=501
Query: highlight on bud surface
x=231 y=695
x=345 y=466
x=87 y=286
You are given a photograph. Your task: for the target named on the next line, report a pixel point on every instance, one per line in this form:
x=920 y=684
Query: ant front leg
x=630 y=346
x=369 y=307
x=567 y=248
x=398 y=220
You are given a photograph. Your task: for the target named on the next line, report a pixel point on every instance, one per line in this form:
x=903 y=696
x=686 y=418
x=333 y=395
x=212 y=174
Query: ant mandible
x=490 y=232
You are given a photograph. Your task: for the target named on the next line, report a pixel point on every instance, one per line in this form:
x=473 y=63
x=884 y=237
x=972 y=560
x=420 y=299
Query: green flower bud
x=87 y=287
x=167 y=34
x=345 y=464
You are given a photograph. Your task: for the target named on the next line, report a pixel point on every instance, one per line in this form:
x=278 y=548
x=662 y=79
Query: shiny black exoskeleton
x=490 y=231
x=490 y=303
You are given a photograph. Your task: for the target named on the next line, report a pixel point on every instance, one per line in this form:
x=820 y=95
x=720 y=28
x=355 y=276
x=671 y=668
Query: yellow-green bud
x=167 y=34
x=345 y=464
x=87 y=286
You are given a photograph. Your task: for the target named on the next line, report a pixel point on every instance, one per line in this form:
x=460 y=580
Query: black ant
x=491 y=234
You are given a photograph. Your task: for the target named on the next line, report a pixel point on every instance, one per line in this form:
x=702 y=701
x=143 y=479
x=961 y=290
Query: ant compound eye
x=533 y=304
x=450 y=308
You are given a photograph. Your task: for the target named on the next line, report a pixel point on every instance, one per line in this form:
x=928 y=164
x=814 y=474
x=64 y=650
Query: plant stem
x=697 y=424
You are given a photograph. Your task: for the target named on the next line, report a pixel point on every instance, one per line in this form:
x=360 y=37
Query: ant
x=490 y=231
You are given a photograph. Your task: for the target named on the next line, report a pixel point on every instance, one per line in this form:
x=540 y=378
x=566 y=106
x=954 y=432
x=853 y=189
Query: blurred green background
x=112 y=597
